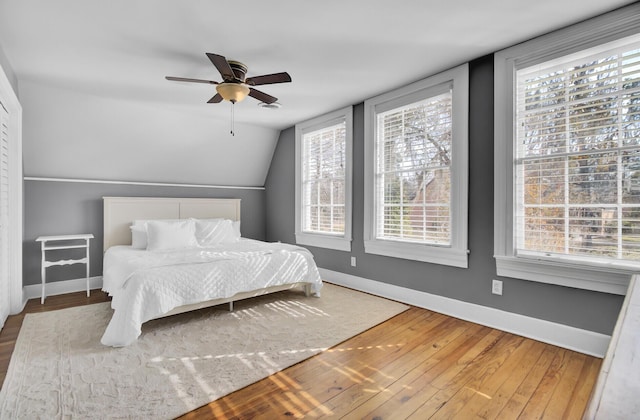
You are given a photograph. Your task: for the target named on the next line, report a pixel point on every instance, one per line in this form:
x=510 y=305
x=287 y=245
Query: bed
x=190 y=256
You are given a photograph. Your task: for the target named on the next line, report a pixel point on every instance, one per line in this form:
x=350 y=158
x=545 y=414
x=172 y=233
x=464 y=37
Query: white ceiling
x=337 y=52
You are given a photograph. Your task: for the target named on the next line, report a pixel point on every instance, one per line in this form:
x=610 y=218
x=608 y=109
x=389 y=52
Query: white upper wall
x=8 y=71
x=68 y=134
x=96 y=105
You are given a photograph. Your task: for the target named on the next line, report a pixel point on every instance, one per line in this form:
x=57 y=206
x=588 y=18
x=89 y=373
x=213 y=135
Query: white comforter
x=147 y=284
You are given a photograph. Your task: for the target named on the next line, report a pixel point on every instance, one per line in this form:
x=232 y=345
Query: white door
x=5 y=285
x=11 y=293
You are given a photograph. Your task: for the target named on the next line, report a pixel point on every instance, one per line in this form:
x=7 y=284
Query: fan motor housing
x=239 y=69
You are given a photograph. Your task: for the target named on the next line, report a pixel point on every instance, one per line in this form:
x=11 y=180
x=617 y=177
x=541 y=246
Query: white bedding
x=147 y=284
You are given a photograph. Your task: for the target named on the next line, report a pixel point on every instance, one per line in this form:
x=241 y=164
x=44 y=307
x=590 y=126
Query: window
x=323 y=181
x=416 y=147
x=574 y=160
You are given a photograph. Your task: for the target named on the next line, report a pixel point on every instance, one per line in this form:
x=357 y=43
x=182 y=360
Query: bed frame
x=119 y=212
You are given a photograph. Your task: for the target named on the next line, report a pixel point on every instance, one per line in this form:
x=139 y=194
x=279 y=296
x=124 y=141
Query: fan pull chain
x=232 y=118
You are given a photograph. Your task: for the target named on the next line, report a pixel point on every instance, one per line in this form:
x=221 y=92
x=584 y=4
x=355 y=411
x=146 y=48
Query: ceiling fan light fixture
x=233 y=92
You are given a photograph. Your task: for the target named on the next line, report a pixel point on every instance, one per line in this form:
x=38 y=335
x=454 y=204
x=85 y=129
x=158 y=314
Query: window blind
x=577 y=163
x=323 y=180
x=413 y=159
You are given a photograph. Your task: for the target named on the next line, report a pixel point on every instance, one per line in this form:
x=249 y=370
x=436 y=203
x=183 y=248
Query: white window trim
x=456 y=254
x=337 y=242
x=609 y=278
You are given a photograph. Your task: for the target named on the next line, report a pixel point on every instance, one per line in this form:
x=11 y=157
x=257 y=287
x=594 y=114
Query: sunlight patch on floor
x=292 y=308
x=296 y=400
x=356 y=373
x=261 y=354
x=380 y=347
x=482 y=394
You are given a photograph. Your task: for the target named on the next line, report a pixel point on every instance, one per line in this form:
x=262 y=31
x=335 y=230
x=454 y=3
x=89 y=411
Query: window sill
x=331 y=242
x=418 y=252
x=607 y=279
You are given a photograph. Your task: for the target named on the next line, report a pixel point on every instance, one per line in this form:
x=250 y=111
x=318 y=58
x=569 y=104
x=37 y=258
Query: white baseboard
x=583 y=341
x=32 y=291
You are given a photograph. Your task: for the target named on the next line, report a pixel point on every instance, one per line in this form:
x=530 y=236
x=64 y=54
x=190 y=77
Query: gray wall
x=60 y=208
x=579 y=308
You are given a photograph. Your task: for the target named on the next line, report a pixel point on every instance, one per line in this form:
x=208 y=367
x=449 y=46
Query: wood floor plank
x=384 y=376
x=465 y=381
x=326 y=376
x=523 y=393
x=488 y=388
x=330 y=361
x=579 y=399
x=514 y=379
x=541 y=397
x=567 y=382
x=415 y=387
x=416 y=364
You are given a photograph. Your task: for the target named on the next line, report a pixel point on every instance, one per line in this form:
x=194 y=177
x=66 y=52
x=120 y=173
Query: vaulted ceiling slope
x=96 y=104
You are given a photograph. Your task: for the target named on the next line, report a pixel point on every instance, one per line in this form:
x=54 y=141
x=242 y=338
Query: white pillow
x=163 y=235
x=139 y=231
x=139 y=237
x=143 y=222
x=211 y=232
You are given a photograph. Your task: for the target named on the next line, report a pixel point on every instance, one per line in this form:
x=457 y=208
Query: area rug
x=59 y=369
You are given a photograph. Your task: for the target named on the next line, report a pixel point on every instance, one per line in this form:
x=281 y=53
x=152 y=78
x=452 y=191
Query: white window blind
x=413 y=158
x=323 y=180
x=577 y=167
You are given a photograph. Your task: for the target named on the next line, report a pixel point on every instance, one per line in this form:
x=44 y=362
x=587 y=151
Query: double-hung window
x=323 y=180
x=416 y=170
x=572 y=131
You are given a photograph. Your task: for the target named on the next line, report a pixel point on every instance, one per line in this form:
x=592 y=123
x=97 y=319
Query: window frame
x=455 y=254
x=566 y=271
x=317 y=239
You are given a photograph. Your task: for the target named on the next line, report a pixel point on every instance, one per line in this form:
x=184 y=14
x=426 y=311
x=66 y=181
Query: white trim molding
x=577 y=339
x=151 y=184
x=610 y=277
x=456 y=252
x=579 y=275
x=33 y=291
x=340 y=242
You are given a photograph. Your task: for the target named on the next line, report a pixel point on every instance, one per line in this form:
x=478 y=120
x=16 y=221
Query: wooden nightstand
x=58 y=239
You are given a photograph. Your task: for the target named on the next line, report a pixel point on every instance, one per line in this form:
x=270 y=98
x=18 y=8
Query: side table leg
x=43 y=273
x=88 y=293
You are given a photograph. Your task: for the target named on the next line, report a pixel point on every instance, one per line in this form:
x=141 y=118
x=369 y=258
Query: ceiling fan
x=235 y=86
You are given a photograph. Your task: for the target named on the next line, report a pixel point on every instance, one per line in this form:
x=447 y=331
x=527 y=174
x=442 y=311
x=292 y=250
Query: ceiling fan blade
x=217 y=98
x=222 y=65
x=261 y=96
x=268 y=79
x=185 y=79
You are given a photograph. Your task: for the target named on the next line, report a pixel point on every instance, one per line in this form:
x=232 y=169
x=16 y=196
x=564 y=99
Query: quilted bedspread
x=145 y=284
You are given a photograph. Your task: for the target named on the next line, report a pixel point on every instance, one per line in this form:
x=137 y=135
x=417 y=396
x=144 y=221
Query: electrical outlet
x=496 y=287
x=353 y=261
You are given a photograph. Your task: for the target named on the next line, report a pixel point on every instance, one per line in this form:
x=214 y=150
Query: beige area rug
x=59 y=369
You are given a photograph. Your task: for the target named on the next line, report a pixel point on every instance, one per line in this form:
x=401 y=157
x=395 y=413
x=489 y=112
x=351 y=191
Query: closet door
x=5 y=285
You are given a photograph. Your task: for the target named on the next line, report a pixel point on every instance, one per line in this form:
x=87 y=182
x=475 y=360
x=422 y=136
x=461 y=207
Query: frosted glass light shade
x=233 y=92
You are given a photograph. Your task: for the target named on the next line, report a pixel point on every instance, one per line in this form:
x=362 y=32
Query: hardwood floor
x=417 y=365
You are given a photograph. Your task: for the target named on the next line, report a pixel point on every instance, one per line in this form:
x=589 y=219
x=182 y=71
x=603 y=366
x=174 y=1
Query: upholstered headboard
x=119 y=212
